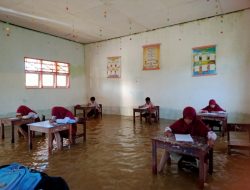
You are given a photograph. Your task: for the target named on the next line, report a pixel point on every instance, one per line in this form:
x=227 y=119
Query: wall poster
x=114 y=67
x=151 y=57
x=204 y=60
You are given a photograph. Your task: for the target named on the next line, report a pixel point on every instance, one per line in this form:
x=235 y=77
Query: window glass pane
x=48 y=80
x=32 y=79
x=61 y=80
x=48 y=66
x=32 y=65
x=62 y=68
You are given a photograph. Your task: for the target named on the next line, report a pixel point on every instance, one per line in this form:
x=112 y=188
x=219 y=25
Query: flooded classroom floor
x=118 y=155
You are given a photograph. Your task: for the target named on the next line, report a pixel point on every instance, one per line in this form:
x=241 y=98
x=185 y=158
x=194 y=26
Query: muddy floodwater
x=117 y=155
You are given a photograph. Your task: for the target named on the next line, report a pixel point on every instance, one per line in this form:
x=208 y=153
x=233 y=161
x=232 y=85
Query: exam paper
x=183 y=137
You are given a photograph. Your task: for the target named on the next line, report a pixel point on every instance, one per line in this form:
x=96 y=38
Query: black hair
x=92 y=98
x=147 y=99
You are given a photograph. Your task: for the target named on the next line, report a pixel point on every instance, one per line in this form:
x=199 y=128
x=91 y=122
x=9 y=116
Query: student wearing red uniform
x=28 y=113
x=212 y=107
x=189 y=124
x=62 y=113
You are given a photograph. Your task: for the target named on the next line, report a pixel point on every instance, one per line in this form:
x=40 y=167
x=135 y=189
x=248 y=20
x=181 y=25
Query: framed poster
x=114 y=67
x=204 y=60
x=151 y=57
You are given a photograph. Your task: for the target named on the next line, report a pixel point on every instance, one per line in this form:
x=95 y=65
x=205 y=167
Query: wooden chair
x=238 y=136
x=155 y=114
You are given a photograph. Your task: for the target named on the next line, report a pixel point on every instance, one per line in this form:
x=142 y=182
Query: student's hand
x=210 y=142
x=168 y=133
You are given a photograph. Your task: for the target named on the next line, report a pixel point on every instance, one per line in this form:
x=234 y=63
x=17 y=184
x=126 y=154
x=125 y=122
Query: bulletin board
x=204 y=60
x=151 y=57
x=114 y=67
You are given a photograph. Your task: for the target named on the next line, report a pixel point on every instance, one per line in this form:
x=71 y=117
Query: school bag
x=18 y=177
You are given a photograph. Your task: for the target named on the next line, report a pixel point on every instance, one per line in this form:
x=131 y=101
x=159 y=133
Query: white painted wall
x=173 y=87
x=26 y=43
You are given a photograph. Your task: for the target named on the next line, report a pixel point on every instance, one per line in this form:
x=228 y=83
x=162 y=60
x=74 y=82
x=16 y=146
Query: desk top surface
x=198 y=142
x=212 y=114
x=46 y=124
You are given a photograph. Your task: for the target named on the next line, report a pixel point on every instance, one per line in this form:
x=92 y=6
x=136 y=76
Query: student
x=24 y=111
x=189 y=124
x=150 y=109
x=212 y=107
x=63 y=113
x=95 y=108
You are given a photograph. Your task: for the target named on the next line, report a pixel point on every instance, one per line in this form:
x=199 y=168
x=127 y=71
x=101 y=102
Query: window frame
x=40 y=71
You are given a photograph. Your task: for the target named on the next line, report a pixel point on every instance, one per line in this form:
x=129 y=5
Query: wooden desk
x=215 y=116
x=142 y=110
x=13 y=122
x=198 y=148
x=84 y=108
x=49 y=128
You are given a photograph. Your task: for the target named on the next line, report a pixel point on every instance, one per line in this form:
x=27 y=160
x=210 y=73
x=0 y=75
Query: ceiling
x=88 y=21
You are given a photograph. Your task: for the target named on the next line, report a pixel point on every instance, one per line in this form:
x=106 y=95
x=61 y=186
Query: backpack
x=18 y=177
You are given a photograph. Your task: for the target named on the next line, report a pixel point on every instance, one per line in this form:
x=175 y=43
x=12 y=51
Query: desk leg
x=224 y=125
x=29 y=138
x=12 y=133
x=201 y=171
x=140 y=117
x=211 y=162
x=70 y=134
x=154 y=157
x=2 y=125
x=84 y=130
x=158 y=115
x=134 y=116
x=50 y=141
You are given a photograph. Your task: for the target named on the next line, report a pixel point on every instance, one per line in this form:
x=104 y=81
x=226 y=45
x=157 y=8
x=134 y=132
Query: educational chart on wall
x=114 y=67
x=151 y=57
x=204 y=60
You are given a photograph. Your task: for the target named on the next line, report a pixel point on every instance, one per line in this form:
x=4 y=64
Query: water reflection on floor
x=117 y=155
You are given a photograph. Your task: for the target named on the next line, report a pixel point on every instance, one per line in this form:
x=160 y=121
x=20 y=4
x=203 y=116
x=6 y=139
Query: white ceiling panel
x=87 y=21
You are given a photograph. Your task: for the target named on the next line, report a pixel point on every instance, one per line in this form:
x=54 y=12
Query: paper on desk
x=183 y=137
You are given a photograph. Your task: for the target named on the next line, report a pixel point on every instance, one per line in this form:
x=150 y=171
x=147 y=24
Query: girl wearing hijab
x=28 y=113
x=62 y=113
x=188 y=124
x=212 y=107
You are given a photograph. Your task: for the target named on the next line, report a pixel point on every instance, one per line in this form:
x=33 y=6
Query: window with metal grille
x=46 y=74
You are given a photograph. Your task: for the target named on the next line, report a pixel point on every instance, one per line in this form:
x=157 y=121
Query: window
x=46 y=74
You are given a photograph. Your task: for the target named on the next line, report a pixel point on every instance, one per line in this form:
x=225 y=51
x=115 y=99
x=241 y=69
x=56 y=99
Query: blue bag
x=18 y=177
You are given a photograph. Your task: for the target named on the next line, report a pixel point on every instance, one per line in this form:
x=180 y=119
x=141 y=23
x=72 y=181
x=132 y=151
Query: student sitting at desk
x=189 y=124
x=150 y=108
x=26 y=112
x=95 y=108
x=212 y=107
x=62 y=113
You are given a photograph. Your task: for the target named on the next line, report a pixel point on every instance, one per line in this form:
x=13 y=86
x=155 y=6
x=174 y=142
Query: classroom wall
x=173 y=87
x=26 y=43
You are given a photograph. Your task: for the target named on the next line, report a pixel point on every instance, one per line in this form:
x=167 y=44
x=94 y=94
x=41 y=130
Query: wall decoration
x=151 y=57
x=204 y=60
x=114 y=67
